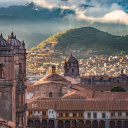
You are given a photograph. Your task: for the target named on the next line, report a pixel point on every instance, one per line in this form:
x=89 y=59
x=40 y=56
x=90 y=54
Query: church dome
x=12 y=40
x=53 y=77
x=3 y=42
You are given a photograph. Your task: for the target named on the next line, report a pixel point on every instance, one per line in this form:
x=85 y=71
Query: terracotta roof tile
x=110 y=95
x=79 y=104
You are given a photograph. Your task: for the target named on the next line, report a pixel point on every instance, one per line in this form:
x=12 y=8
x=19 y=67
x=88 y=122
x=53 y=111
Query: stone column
x=47 y=123
x=77 y=124
x=40 y=123
x=84 y=123
x=55 y=124
x=70 y=124
x=107 y=123
x=64 y=123
x=34 y=123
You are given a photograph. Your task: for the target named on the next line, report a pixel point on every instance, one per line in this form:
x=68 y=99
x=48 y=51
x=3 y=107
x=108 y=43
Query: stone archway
x=81 y=124
x=125 y=124
x=102 y=124
x=50 y=124
x=95 y=124
x=44 y=123
x=88 y=124
x=37 y=123
x=118 y=124
x=60 y=124
x=30 y=123
x=111 y=124
x=74 y=124
x=67 y=124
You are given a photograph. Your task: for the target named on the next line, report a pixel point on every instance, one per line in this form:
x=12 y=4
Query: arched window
x=67 y=70
x=1 y=71
x=50 y=94
x=72 y=70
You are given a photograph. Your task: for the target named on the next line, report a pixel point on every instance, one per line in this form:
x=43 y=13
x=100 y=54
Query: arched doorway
x=30 y=123
x=81 y=124
x=111 y=124
x=118 y=124
x=50 y=94
x=37 y=123
x=44 y=123
x=67 y=124
x=102 y=124
x=60 y=124
x=88 y=124
x=125 y=124
x=95 y=124
x=51 y=124
x=74 y=124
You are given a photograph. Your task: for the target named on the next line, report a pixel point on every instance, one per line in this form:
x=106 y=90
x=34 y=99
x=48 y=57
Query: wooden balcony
x=119 y=117
x=37 y=117
x=70 y=118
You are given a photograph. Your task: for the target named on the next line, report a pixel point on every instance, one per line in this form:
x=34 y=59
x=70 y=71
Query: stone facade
x=12 y=77
x=71 y=68
x=52 y=85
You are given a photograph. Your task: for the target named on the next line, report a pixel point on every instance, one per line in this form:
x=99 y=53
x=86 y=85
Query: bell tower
x=12 y=78
x=71 y=67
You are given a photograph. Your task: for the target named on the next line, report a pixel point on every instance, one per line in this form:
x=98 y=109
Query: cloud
x=104 y=11
x=12 y=2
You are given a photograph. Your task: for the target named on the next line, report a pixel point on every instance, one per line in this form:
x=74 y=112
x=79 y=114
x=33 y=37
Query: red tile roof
x=80 y=104
x=110 y=95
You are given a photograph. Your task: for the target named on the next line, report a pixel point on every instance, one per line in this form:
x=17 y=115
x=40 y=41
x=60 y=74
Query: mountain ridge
x=87 y=38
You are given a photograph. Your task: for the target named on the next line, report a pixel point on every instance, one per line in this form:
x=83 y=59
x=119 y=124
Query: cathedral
x=12 y=78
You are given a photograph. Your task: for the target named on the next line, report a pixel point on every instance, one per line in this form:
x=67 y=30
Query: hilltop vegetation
x=87 y=38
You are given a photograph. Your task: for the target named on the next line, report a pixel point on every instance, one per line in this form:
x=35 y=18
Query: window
x=126 y=113
x=66 y=114
x=112 y=114
x=103 y=114
x=74 y=114
x=72 y=70
x=50 y=94
x=119 y=114
x=29 y=113
x=49 y=112
x=89 y=115
x=95 y=115
x=2 y=71
x=80 y=114
x=67 y=70
x=43 y=112
x=60 y=114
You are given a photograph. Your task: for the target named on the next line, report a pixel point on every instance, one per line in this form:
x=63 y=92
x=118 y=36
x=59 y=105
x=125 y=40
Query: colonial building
x=74 y=113
x=71 y=68
x=12 y=77
x=104 y=79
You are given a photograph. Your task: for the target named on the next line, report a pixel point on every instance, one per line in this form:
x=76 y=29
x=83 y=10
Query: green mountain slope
x=87 y=38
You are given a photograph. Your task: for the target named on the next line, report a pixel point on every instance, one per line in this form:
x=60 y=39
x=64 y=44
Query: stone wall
x=6 y=103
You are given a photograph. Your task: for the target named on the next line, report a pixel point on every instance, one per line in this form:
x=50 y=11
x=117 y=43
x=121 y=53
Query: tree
x=118 y=89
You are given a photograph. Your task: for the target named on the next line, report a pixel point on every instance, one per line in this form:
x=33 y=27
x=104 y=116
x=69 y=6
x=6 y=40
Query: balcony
x=70 y=118
x=119 y=117
x=37 y=117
